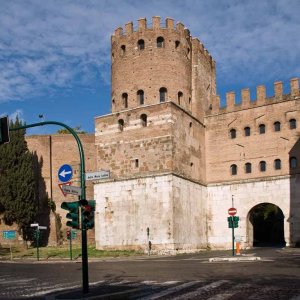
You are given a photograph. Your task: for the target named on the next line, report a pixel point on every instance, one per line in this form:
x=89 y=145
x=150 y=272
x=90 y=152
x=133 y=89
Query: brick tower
x=153 y=141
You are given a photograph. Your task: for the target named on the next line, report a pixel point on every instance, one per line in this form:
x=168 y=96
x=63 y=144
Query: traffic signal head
x=88 y=213
x=73 y=208
x=4 y=130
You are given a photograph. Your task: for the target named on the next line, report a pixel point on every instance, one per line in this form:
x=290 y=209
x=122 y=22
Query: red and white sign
x=232 y=211
x=60 y=186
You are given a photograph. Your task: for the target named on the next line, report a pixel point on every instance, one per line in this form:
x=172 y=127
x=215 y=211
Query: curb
x=248 y=258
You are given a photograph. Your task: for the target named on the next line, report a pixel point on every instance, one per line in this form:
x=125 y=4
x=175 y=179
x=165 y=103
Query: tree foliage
x=77 y=129
x=18 y=193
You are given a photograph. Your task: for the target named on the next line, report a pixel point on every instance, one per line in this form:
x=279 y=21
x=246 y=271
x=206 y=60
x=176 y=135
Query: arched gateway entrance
x=265 y=226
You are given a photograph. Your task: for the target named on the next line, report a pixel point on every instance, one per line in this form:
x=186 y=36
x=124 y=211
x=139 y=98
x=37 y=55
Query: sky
x=55 y=54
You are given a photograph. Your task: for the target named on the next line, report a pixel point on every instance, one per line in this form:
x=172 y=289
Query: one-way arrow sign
x=65 y=173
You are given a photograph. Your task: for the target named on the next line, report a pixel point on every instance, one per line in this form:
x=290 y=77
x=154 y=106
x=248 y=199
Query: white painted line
x=118 y=282
x=170 y=282
x=171 y=290
x=221 y=296
x=202 y=290
x=97 y=282
x=148 y=282
x=15 y=281
x=56 y=288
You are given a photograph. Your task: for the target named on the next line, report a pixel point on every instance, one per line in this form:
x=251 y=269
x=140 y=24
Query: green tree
x=77 y=129
x=18 y=193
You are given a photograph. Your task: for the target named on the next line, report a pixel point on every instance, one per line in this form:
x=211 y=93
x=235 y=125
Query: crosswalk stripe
x=200 y=290
x=171 y=290
x=221 y=296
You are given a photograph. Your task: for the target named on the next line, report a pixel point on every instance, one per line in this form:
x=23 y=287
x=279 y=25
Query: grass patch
x=63 y=253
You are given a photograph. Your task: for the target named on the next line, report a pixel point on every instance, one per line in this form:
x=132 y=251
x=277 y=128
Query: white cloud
x=62 y=43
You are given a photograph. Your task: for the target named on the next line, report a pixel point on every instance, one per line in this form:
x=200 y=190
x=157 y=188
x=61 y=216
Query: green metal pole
x=37 y=243
x=71 y=257
x=84 y=254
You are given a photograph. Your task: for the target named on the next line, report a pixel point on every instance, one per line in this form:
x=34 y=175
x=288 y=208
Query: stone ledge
x=242 y=258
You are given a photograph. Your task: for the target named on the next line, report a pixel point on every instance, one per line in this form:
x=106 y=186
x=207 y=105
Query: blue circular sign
x=65 y=173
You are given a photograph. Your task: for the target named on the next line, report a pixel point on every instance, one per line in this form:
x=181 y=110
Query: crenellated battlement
x=199 y=47
x=156 y=25
x=261 y=98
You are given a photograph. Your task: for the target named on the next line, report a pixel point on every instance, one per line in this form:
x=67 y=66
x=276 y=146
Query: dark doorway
x=268 y=225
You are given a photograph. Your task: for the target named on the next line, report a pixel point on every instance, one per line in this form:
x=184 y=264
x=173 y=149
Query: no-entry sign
x=232 y=211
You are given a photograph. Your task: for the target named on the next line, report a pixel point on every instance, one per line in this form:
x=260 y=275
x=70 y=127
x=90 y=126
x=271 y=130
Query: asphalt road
x=275 y=276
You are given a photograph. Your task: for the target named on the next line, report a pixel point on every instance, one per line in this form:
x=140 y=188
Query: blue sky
x=55 y=54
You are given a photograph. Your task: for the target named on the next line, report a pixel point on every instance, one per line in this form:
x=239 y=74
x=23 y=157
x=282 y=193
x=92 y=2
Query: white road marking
x=171 y=290
x=221 y=296
x=202 y=290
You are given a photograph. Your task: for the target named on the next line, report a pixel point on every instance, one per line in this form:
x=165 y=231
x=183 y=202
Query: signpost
x=62 y=184
x=103 y=174
x=10 y=235
x=71 y=235
x=65 y=173
x=232 y=223
x=232 y=211
x=69 y=189
x=36 y=235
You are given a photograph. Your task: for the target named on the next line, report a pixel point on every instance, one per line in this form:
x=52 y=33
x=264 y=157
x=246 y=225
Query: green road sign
x=72 y=234
x=9 y=234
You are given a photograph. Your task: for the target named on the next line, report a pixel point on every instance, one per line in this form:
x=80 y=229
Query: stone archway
x=265 y=226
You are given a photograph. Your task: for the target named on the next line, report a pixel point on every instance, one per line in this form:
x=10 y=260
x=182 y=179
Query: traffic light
x=233 y=222
x=4 y=130
x=68 y=234
x=88 y=213
x=236 y=221
x=73 y=208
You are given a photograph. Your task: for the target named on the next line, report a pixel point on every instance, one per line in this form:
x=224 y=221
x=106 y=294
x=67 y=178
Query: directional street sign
x=9 y=234
x=68 y=189
x=103 y=174
x=232 y=211
x=61 y=185
x=65 y=173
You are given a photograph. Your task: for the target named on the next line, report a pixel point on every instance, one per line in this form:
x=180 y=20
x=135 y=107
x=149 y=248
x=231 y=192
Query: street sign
x=103 y=174
x=68 y=189
x=34 y=225
x=61 y=184
x=9 y=234
x=72 y=234
x=42 y=227
x=65 y=173
x=232 y=211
